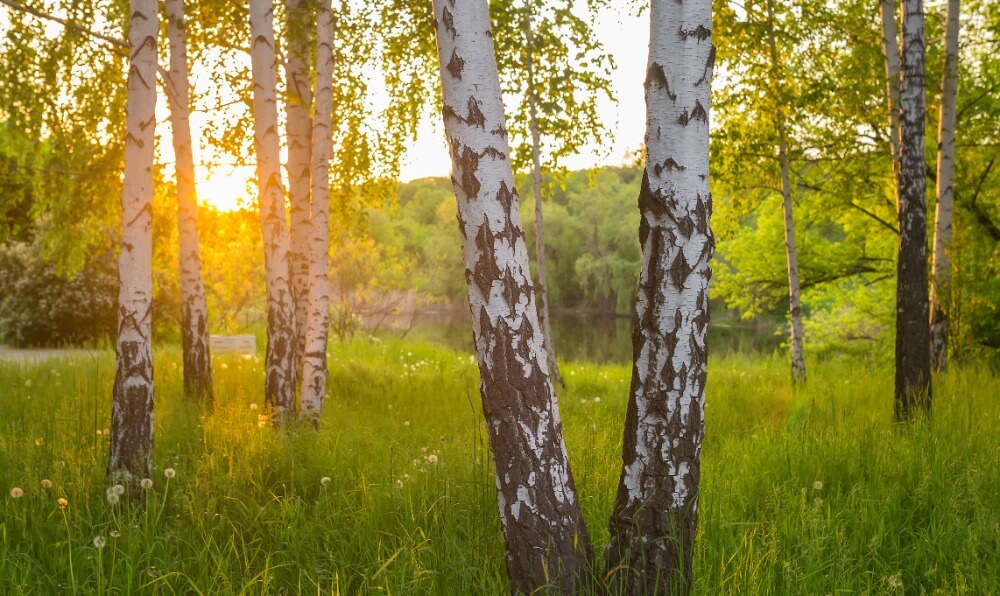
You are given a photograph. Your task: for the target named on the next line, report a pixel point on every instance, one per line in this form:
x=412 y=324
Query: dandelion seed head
x=118 y=489
x=63 y=503
x=399 y=483
x=406 y=423
x=253 y=406
x=146 y=483
x=112 y=498
x=115 y=533
x=46 y=483
x=432 y=458
x=169 y=473
x=818 y=485
x=39 y=441
x=324 y=480
x=16 y=493
x=99 y=542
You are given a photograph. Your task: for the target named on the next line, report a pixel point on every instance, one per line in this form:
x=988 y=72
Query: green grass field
x=813 y=491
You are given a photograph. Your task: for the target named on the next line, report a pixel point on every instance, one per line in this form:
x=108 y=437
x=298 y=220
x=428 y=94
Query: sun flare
x=225 y=189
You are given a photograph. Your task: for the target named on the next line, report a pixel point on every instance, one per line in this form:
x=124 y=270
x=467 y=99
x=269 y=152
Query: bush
x=39 y=307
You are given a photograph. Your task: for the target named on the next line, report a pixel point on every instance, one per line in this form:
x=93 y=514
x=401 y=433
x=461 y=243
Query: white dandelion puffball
x=169 y=473
x=115 y=533
x=399 y=484
x=818 y=485
x=112 y=498
x=16 y=493
x=63 y=503
x=324 y=480
x=432 y=458
x=99 y=541
x=118 y=489
x=146 y=483
x=46 y=483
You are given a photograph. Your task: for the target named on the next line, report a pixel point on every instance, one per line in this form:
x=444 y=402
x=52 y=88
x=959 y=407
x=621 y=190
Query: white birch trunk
x=655 y=515
x=890 y=45
x=542 y=291
x=791 y=252
x=314 y=361
x=130 y=456
x=913 y=365
x=546 y=541
x=298 y=127
x=194 y=312
x=941 y=267
x=279 y=366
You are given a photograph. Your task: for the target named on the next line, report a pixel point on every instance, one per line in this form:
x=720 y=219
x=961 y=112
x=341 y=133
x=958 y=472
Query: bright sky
x=625 y=36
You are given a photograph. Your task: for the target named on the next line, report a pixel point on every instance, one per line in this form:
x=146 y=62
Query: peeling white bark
x=941 y=267
x=546 y=540
x=130 y=456
x=655 y=515
x=279 y=366
x=314 y=360
x=194 y=312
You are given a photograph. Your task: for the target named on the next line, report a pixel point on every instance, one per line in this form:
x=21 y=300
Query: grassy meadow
x=811 y=491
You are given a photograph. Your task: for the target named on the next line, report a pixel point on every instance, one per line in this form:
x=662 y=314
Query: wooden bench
x=244 y=344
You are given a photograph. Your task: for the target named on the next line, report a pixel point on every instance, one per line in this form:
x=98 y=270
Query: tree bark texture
x=913 y=363
x=941 y=267
x=298 y=127
x=194 y=312
x=656 y=510
x=890 y=45
x=542 y=291
x=791 y=251
x=546 y=541
x=279 y=366
x=130 y=457
x=314 y=361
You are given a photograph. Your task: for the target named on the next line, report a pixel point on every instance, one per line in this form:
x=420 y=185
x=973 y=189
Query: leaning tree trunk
x=890 y=45
x=791 y=251
x=131 y=452
x=279 y=366
x=542 y=291
x=194 y=312
x=913 y=359
x=547 y=543
x=655 y=514
x=941 y=268
x=298 y=126
x=314 y=361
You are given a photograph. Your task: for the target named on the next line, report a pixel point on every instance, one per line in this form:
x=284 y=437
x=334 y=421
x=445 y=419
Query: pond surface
x=594 y=338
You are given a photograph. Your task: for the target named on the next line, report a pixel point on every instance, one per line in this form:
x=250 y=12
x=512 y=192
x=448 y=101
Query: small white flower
x=98 y=432
x=115 y=533
x=324 y=480
x=432 y=458
x=118 y=489
x=146 y=483
x=16 y=493
x=818 y=485
x=406 y=424
x=169 y=473
x=112 y=498
x=253 y=406
x=99 y=542
x=597 y=400
x=399 y=484
x=46 y=483
x=39 y=441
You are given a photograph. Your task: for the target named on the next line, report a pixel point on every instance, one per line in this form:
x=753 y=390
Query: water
x=593 y=338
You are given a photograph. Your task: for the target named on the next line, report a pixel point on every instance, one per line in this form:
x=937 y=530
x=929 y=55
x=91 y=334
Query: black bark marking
x=679 y=270
x=455 y=65
x=468 y=161
x=449 y=22
x=656 y=74
x=709 y=65
x=485 y=270
x=476 y=116
x=506 y=198
x=669 y=165
x=699 y=112
x=701 y=33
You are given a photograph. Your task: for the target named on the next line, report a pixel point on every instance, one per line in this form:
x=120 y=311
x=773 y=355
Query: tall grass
x=813 y=490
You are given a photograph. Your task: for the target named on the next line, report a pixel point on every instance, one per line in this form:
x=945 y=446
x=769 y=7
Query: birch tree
x=298 y=127
x=279 y=366
x=130 y=456
x=546 y=541
x=791 y=251
x=913 y=375
x=314 y=354
x=890 y=46
x=941 y=259
x=656 y=510
x=194 y=312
